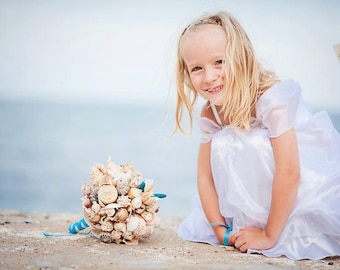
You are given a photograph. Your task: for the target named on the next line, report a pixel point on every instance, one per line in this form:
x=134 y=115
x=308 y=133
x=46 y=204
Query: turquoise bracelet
x=226 y=234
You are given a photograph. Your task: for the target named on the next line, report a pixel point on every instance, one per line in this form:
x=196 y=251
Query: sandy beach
x=24 y=246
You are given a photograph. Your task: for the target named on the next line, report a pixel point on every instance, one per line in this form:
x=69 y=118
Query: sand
x=24 y=246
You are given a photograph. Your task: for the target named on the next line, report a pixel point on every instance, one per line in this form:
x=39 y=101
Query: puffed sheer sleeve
x=207 y=129
x=278 y=106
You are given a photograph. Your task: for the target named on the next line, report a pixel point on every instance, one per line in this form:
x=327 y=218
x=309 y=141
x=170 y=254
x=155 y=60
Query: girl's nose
x=211 y=75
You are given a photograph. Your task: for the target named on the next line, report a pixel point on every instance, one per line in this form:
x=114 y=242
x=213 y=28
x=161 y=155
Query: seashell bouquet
x=119 y=205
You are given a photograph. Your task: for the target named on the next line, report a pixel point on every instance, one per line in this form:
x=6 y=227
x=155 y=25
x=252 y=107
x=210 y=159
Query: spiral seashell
x=119 y=226
x=136 y=203
x=148 y=186
x=139 y=230
x=86 y=189
x=132 y=223
x=147 y=198
x=134 y=192
x=107 y=226
x=128 y=167
x=143 y=231
x=121 y=215
x=123 y=185
x=107 y=194
x=124 y=201
x=96 y=174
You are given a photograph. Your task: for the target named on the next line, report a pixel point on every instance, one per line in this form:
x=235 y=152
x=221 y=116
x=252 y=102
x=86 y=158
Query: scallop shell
x=121 y=215
x=107 y=194
x=96 y=173
x=123 y=185
x=134 y=192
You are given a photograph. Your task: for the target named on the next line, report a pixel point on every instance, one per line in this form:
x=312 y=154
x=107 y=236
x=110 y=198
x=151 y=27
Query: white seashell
x=119 y=226
x=95 y=207
x=124 y=201
x=116 y=236
x=134 y=192
x=109 y=210
x=107 y=226
x=113 y=170
x=97 y=173
x=136 y=180
x=123 y=185
x=107 y=194
x=132 y=223
x=121 y=215
x=136 y=203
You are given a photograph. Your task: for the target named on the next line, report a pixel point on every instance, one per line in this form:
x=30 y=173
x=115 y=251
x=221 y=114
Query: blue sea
x=47 y=151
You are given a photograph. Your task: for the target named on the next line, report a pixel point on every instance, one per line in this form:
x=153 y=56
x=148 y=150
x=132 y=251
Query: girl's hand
x=252 y=238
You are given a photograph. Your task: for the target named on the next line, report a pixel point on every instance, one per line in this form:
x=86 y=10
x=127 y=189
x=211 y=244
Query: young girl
x=268 y=169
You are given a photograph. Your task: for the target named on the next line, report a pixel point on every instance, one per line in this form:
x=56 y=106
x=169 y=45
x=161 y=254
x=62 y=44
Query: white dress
x=243 y=168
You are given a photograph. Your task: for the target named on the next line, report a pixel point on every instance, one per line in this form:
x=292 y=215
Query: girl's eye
x=195 y=69
x=219 y=62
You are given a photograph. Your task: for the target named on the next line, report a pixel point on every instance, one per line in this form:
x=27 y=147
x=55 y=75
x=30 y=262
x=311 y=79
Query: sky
x=124 y=51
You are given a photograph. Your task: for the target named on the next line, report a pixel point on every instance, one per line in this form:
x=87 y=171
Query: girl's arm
x=207 y=192
x=284 y=192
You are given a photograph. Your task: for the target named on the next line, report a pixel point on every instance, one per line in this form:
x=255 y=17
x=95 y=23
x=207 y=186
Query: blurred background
x=84 y=80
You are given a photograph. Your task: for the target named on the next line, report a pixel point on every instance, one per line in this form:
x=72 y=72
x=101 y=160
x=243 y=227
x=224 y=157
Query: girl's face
x=203 y=51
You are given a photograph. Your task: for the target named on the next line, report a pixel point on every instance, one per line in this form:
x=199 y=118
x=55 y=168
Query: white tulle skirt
x=243 y=169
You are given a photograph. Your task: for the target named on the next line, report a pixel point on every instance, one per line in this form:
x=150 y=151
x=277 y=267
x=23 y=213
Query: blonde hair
x=245 y=78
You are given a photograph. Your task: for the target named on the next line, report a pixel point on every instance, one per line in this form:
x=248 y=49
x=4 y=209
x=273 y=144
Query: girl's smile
x=203 y=51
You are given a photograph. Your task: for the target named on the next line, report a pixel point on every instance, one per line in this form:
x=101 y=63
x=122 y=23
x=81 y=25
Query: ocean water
x=47 y=151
